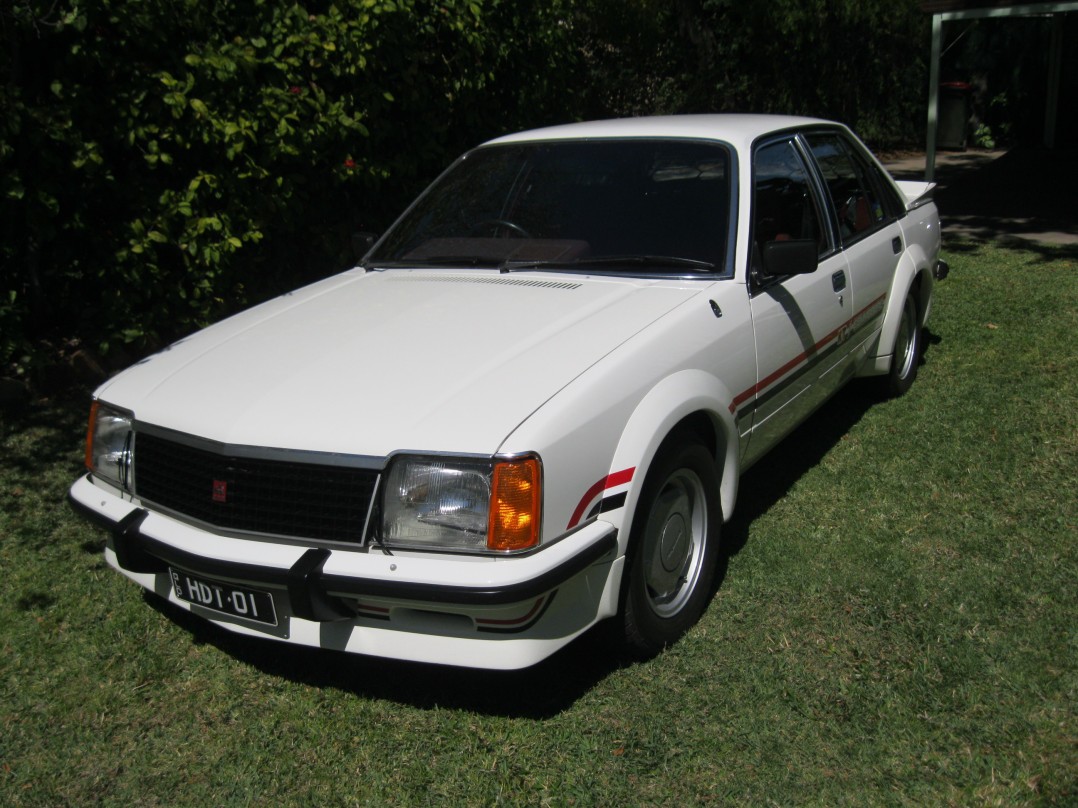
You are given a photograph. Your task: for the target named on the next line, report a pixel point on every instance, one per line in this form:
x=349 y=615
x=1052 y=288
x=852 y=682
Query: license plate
x=235 y=601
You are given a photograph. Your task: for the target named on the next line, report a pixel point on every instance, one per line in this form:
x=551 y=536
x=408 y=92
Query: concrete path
x=1025 y=194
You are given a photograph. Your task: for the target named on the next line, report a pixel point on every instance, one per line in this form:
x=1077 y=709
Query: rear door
x=865 y=211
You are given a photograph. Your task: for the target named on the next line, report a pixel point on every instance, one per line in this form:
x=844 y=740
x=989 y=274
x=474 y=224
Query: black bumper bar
x=309 y=586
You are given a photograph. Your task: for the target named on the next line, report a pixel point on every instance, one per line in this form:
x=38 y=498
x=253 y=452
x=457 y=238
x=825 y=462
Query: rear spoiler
x=915 y=193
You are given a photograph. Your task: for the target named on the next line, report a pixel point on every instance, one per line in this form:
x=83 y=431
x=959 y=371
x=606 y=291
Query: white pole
x=933 y=98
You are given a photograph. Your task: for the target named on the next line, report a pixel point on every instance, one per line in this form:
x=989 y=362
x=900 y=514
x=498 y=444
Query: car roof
x=736 y=129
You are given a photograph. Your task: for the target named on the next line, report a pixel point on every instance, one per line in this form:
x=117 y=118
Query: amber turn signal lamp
x=515 y=502
x=90 y=436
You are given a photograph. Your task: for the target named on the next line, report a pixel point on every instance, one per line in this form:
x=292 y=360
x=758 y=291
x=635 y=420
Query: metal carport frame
x=943 y=11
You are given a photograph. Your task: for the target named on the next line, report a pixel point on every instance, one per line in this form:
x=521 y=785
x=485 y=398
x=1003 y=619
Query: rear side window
x=859 y=195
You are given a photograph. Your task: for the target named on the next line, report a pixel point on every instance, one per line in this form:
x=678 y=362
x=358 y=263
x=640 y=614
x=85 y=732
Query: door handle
x=896 y=244
x=838 y=281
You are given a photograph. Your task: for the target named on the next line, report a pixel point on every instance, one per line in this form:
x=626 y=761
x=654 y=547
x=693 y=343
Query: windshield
x=630 y=206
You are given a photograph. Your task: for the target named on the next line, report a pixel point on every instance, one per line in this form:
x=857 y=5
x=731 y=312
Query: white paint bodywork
x=590 y=373
x=440 y=360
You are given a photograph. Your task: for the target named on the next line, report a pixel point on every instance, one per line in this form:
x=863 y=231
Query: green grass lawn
x=896 y=624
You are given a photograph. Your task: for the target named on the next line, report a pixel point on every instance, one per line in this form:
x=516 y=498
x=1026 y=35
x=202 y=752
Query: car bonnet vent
x=473 y=279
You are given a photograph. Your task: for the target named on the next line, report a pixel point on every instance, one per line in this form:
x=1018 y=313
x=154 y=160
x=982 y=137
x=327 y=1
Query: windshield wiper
x=613 y=261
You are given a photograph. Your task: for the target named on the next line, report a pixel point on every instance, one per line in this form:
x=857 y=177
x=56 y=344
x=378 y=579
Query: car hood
x=369 y=363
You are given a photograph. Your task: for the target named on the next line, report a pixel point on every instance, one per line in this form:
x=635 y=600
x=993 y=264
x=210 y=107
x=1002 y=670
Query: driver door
x=799 y=321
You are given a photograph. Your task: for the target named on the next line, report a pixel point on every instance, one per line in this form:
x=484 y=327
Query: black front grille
x=275 y=497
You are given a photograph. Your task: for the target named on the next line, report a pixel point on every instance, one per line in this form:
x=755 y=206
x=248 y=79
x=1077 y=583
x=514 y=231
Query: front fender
x=668 y=403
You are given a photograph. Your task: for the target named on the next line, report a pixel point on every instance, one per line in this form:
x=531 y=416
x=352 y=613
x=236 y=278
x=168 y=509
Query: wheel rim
x=905 y=343
x=674 y=543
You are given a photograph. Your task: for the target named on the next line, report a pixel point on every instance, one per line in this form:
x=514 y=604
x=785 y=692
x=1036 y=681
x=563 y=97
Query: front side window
x=784 y=206
x=630 y=206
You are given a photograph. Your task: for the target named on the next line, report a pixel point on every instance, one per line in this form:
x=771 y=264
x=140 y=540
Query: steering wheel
x=501 y=223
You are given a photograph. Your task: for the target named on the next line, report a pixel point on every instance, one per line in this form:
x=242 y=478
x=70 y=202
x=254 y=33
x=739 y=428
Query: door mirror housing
x=791 y=257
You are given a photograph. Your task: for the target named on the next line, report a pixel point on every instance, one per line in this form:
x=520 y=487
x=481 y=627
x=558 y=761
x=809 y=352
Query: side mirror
x=362 y=243
x=791 y=257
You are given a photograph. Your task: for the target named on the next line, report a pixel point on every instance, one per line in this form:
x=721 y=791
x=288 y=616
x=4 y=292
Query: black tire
x=907 y=353
x=672 y=548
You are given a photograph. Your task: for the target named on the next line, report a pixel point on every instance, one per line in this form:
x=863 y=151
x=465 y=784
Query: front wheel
x=672 y=548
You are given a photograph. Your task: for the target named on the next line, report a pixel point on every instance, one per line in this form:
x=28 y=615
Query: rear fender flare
x=913 y=264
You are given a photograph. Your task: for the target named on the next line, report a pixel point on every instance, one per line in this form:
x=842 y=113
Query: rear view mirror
x=791 y=257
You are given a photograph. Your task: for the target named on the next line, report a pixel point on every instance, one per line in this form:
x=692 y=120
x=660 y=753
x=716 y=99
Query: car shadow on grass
x=771 y=479
x=554 y=685
x=540 y=692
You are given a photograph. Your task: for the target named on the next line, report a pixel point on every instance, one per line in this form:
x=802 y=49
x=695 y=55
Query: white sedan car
x=528 y=407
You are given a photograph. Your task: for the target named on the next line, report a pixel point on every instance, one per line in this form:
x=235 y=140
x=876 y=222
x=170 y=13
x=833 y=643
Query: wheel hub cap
x=674 y=543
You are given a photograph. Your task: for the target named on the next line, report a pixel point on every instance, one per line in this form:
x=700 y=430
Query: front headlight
x=109 y=444
x=462 y=503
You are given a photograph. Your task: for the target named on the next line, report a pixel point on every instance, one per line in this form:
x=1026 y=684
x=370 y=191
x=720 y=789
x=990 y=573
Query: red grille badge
x=220 y=491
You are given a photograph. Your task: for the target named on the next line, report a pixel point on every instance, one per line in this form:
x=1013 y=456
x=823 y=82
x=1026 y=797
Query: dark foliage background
x=166 y=162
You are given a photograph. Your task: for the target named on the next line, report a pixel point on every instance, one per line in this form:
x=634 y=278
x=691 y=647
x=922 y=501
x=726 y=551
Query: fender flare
x=913 y=264
x=667 y=404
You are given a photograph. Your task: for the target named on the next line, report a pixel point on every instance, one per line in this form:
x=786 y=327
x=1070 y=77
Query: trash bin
x=953 y=115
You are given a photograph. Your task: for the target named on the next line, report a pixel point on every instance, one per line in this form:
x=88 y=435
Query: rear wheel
x=907 y=353
x=672 y=548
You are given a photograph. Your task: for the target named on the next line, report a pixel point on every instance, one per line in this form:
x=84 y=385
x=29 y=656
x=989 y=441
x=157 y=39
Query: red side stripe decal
x=609 y=481
x=766 y=382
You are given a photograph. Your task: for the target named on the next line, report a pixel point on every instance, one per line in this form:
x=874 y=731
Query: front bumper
x=459 y=610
